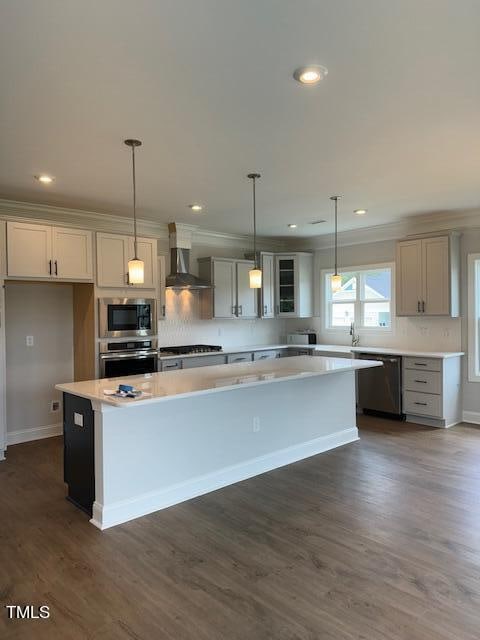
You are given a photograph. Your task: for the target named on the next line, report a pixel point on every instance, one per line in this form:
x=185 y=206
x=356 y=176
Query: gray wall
x=45 y=311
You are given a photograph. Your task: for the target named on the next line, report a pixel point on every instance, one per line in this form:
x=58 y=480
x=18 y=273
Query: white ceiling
x=207 y=85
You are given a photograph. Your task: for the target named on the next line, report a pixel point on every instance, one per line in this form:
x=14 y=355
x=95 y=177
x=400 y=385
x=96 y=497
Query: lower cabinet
x=431 y=390
x=239 y=357
x=203 y=361
x=266 y=355
x=78 y=442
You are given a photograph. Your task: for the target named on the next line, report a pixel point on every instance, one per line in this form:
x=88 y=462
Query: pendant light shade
x=255 y=278
x=255 y=274
x=336 y=279
x=136 y=267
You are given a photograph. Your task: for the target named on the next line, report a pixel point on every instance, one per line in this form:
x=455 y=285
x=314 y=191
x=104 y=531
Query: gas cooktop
x=189 y=349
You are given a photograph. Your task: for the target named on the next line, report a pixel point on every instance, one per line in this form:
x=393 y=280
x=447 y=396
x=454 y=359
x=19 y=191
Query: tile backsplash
x=184 y=326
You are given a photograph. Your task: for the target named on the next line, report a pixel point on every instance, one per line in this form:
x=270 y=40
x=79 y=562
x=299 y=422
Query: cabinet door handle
x=56 y=268
x=50 y=267
x=418 y=306
x=171 y=366
x=127 y=278
x=240 y=310
x=423 y=404
x=423 y=306
x=163 y=310
x=422 y=381
x=420 y=364
x=234 y=310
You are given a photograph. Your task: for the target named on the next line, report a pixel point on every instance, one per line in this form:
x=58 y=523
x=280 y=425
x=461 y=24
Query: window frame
x=473 y=317
x=327 y=300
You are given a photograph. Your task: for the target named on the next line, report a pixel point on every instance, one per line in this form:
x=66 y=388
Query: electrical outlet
x=256 y=424
x=54 y=406
x=29 y=341
x=78 y=419
x=446 y=333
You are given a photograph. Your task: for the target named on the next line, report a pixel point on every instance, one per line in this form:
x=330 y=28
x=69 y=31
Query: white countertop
x=214 y=379
x=326 y=348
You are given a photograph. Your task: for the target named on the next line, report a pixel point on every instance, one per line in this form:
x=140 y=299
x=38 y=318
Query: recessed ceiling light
x=195 y=207
x=310 y=74
x=360 y=212
x=292 y=226
x=44 y=179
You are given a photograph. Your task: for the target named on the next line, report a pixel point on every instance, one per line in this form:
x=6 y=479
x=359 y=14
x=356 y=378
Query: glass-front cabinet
x=294 y=285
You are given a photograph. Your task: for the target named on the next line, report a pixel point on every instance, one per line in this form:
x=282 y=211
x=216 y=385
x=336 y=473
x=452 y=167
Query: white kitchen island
x=200 y=429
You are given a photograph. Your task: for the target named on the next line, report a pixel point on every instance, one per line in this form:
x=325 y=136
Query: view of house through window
x=364 y=298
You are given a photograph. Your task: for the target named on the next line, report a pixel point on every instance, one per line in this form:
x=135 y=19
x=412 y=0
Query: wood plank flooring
x=377 y=540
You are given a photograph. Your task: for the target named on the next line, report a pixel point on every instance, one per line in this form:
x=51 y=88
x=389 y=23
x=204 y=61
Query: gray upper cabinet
x=428 y=276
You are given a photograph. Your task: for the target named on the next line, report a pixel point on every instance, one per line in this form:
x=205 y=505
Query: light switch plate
x=29 y=341
x=78 y=419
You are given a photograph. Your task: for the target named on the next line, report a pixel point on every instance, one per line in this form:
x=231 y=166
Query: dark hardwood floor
x=377 y=540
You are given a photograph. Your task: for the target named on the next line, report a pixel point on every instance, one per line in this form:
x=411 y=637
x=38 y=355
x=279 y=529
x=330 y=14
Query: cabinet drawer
x=171 y=365
x=422 y=404
x=423 y=381
x=239 y=357
x=202 y=361
x=422 y=364
x=265 y=355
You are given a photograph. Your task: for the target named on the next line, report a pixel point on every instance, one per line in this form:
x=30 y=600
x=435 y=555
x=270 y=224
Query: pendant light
x=136 y=267
x=255 y=274
x=336 y=279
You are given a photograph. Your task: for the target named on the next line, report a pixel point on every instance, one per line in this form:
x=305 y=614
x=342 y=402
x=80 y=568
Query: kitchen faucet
x=355 y=336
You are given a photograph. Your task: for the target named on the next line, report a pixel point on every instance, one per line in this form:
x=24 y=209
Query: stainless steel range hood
x=180 y=277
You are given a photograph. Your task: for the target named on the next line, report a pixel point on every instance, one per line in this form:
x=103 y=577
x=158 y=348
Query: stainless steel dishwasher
x=380 y=388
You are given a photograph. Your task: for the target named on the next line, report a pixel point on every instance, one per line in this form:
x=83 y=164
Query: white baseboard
x=471 y=416
x=34 y=433
x=104 y=517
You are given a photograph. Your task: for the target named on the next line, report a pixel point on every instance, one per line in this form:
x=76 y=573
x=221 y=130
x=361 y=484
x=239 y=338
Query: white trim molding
x=125 y=510
x=34 y=433
x=473 y=417
x=473 y=317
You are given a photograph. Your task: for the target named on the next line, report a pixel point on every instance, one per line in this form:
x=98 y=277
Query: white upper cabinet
x=224 y=296
x=294 y=285
x=43 y=251
x=230 y=296
x=409 y=280
x=72 y=250
x=267 y=292
x=428 y=277
x=246 y=298
x=113 y=253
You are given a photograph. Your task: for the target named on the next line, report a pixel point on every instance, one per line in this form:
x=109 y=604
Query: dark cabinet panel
x=79 y=457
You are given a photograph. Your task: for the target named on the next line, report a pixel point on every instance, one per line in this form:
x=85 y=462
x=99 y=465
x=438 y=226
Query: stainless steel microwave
x=127 y=317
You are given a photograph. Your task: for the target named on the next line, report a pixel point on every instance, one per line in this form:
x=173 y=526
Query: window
x=365 y=298
x=474 y=317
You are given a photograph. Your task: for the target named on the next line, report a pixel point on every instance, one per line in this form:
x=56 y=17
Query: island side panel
x=78 y=461
x=155 y=455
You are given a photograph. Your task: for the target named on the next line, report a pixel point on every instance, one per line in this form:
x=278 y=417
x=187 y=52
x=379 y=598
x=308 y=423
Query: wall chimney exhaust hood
x=180 y=277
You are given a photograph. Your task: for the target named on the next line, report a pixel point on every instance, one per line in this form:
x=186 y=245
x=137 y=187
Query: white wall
x=429 y=334
x=44 y=311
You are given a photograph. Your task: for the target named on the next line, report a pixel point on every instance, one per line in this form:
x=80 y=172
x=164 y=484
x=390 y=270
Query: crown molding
x=410 y=226
x=107 y=222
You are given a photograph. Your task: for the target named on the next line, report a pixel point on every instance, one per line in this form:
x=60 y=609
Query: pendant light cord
x=335 y=199
x=134 y=204
x=254 y=227
x=336 y=232
x=253 y=177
